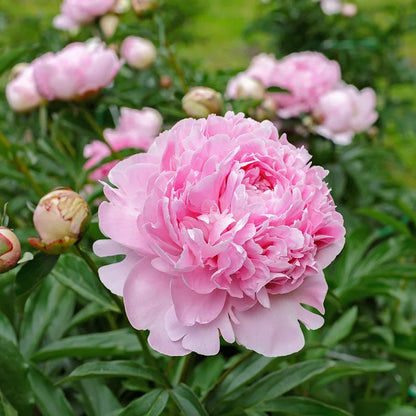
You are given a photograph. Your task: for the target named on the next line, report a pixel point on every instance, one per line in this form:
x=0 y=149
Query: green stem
x=150 y=358
x=183 y=369
x=226 y=373
x=175 y=64
x=21 y=167
x=94 y=125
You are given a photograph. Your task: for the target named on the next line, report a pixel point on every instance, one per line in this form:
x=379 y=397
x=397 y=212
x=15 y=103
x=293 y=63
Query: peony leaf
x=151 y=404
x=73 y=273
x=118 y=343
x=49 y=398
x=301 y=406
x=32 y=274
x=341 y=328
x=13 y=377
x=241 y=375
x=6 y=329
x=41 y=311
x=187 y=401
x=97 y=398
x=131 y=369
x=279 y=382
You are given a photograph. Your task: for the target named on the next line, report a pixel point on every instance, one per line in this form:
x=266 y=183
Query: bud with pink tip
x=349 y=9
x=143 y=6
x=9 y=249
x=21 y=92
x=61 y=218
x=202 y=101
x=244 y=86
x=138 y=52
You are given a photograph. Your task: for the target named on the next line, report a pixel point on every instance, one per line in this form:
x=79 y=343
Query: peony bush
x=201 y=236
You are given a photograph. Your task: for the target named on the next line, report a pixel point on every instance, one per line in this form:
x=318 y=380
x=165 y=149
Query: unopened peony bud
x=121 y=6
x=108 y=25
x=142 y=6
x=9 y=249
x=61 y=218
x=249 y=87
x=349 y=9
x=165 y=81
x=138 y=52
x=202 y=101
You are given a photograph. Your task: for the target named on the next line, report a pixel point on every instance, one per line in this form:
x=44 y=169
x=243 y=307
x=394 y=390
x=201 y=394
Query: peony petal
x=276 y=331
x=192 y=307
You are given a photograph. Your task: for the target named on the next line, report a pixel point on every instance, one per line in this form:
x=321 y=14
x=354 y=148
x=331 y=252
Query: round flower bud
x=61 y=218
x=349 y=9
x=142 y=6
x=9 y=249
x=121 y=6
x=202 y=101
x=138 y=52
x=108 y=24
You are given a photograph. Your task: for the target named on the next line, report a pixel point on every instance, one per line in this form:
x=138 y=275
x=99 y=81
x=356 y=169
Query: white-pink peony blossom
x=136 y=129
x=76 y=72
x=21 y=92
x=75 y=13
x=225 y=228
x=344 y=112
x=307 y=76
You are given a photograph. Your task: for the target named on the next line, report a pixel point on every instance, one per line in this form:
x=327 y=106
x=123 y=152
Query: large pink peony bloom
x=344 y=112
x=307 y=76
x=225 y=230
x=136 y=129
x=21 y=92
x=76 y=72
x=75 y=13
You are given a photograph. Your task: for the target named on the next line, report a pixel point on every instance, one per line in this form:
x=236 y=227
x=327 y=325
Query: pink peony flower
x=225 y=228
x=136 y=129
x=308 y=76
x=75 y=13
x=344 y=112
x=138 y=52
x=77 y=72
x=21 y=92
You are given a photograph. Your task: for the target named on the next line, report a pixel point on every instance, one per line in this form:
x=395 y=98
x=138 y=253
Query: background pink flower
x=79 y=12
x=76 y=72
x=21 y=92
x=344 y=112
x=136 y=129
x=308 y=76
x=225 y=229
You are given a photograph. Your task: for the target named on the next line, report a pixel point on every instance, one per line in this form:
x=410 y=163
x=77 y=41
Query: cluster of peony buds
x=9 y=249
x=60 y=218
x=201 y=101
